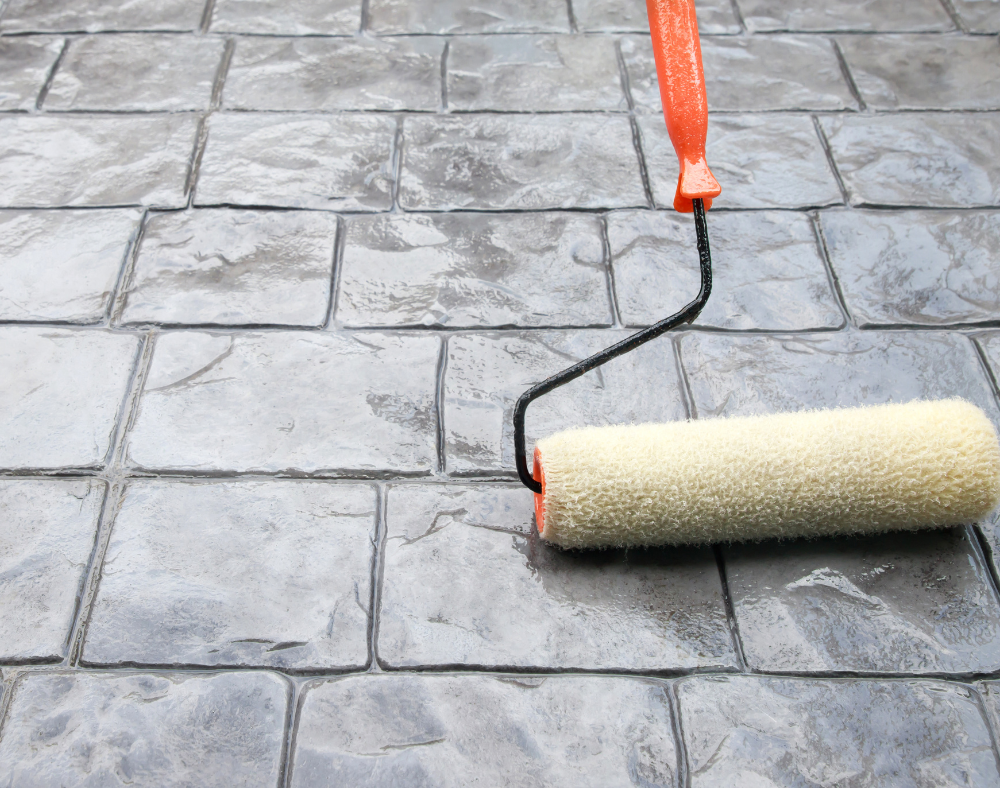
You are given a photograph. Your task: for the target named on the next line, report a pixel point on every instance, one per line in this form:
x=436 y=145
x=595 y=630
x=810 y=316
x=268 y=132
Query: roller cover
x=847 y=471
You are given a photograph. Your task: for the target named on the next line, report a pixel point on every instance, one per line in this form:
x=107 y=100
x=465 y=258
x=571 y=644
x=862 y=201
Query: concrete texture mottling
x=273 y=274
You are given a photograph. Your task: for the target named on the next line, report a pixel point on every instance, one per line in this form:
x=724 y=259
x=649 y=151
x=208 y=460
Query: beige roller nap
x=847 y=471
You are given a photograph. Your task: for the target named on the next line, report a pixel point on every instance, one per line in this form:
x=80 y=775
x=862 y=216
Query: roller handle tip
x=673 y=26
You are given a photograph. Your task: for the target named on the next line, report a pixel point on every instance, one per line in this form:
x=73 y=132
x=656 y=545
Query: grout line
x=956 y=18
x=221 y=73
x=680 y=749
x=126 y=273
x=830 y=160
x=336 y=268
x=439 y=395
x=993 y=732
x=444 y=74
x=131 y=409
x=396 y=163
x=206 y=17
x=831 y=274
x=643 y=171
x=373 y=573
x=50 y=77
x=686 y=393
x=683 y=387
x=609 y=272
x=194 y=164
x=571 y=15
x=296 y=699
x=11 y=681
x=978 y=538
x=732 y=622
x=738 y=13
x=378 y=562
x=365 y=17
x=623 y=76
x=845 y=71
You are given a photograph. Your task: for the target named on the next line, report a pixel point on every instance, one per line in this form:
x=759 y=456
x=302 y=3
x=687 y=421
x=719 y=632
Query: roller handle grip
x=677 y=49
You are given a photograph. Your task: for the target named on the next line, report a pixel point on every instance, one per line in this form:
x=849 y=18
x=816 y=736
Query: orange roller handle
x=677 y=50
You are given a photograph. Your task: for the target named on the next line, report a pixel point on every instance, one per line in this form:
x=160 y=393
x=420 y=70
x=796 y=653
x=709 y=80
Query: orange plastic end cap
x=695 y=182
x=539 y=474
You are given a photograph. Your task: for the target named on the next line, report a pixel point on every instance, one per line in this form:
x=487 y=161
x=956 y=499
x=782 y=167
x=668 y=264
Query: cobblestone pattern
x=272 y=275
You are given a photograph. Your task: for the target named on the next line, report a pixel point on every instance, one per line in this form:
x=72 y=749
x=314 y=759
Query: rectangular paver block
x=48 y=529
x=926 y=159
x=760 y=161
x=287 y=17
x=519 y=162
x=767 y=270
x=459 y=16
x=93 y=16
x=790 y=732
x=926 y=268
x=136 y=72
x=534 y=74
x=61 y=392
x=25 y=64
x=474 y=269
x=527 y=604
x=298 y=161
x=715 y=17
x=335 y=74
x=900 y=603
x=293 y=402
x=486 y=373
x=849 y=15
x=62 y=265
x=204 y=574
x=233 y=267
x=748 y=375
x=492 y=731
x=169 y=730
x=925 y=71
x=747 y=74
x=103 y=160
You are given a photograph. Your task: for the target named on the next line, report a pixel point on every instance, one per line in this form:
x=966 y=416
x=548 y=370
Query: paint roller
x=815 y=473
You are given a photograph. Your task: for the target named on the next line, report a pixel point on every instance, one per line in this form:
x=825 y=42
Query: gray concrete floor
x=269 y=287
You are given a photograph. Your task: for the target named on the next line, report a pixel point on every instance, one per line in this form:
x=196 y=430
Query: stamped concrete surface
x=273 y=274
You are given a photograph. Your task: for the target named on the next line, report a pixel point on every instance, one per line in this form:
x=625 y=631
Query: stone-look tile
x=979 y=16
x=24 y=66
x=61 y=265
x=715 y=17
x=761 y=162
x=491 y=731
x=60 y=395
x=990 y=531
x=335 y=74
x=303 y=161
x=990 y=691
x=138 y=73
x=941 y=160
x=534 y=74
x=744 y=730
x=899 y=603
x=485 y=16
x=93 y=16
x=916 y=267
x=237 y=573
x=104 y=729
x=519 y=162
x=95 y=161
x=48 y=530
x=486 y=373
x=924 y=72
x=749 y=375
x=287 y=17
x=812 y=16
x=763 y=73
x=474 y=270
x=545 y=608
x=767 y=270
x=292 y=402
x=231 y=267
